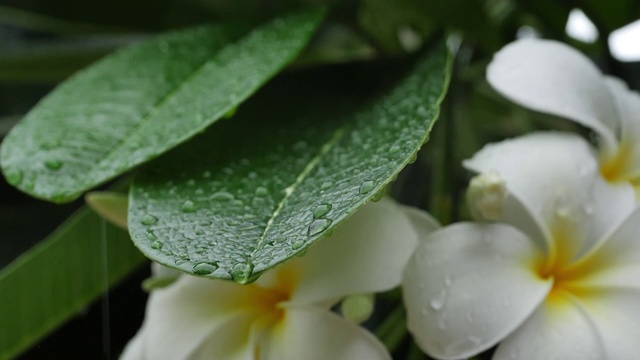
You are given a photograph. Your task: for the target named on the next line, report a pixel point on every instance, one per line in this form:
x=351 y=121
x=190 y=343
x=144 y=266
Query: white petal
x=231 y=340
x=551 y=77
x=422 y=221
x=615 y=261
x=365 y=254
x=628 y=104
x=553 y=178
x=616 y=314
x=560 y=329
x=469 y=285
x=180 y=318
x=134 y=348
x=314 y=334
x=161 y=271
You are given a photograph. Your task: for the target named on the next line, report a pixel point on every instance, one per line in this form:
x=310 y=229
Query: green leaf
x=142 y=101
x=60 y=277
x=253 y=192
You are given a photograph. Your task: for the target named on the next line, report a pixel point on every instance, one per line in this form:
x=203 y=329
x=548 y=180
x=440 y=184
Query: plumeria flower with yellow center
x=557 y=276
x=286 y=315
x=551 y=77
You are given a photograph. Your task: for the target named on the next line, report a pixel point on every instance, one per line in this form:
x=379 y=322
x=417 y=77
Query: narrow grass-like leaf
x=142 y=101
x=255 y=191
x=60 y=277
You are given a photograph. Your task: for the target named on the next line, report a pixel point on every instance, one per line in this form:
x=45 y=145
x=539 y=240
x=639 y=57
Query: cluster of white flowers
x=556 y=274
x=550 y=269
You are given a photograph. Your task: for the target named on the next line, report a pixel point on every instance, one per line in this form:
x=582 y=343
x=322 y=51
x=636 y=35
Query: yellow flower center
x=560 y=264
x=268 y=300
x=619 y=167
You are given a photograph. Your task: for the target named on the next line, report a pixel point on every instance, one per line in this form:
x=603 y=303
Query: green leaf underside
x=142 y=101
x=254 y=191
x=60 y=277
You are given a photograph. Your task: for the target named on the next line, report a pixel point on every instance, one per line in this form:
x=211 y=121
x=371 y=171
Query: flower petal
x=365 y=254
x=470 y=285
x=182 y=317
x=422 y=221
x=555 y=187
x=314 y=334
x=229 y=341
x=560 y=329
x=134 y=348
x=551 y=77
x=614 y=262
x=616 y=314
x=628 y=104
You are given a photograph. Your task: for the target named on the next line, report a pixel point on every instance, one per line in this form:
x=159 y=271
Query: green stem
x=393 y=329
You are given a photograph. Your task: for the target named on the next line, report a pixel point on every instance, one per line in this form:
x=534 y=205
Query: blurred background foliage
x=43 y=42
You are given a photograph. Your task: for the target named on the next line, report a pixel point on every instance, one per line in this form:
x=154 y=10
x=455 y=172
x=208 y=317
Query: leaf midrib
x=302 y=176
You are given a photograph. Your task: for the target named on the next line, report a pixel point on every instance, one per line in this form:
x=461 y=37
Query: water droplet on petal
x=437 y=302
x=242 y=272
x=204 y=268
x=148 y=219
x=367 y=186
x=53 y=164
x=318 y=226
x=189 y=206
x=321 y=210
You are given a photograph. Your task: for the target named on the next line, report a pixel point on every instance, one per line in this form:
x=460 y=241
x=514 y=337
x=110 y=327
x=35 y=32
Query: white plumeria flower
x=551 y=77
x=558 y=277
x=286 y=314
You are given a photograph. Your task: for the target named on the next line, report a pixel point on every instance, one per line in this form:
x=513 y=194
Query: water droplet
x=297 y=244
x=437 y=302
x=367 y=186
x=199 y=232
x=230 y=113
x=191 y=182
x=262 y=191
x=394 y=149
x=148 y=219
x=157 y=245
x=53 y=164
x=413 y=158
x=475 y=340
x=379 y=195
x=204 y=268
x=206 y=174
x=447 y=281
x=189 y=206
x=241 y=272
x=14 y=176
x=321 y=210
x=325 y=185
x=318 y=226
x=151 y=235
x=222 y=196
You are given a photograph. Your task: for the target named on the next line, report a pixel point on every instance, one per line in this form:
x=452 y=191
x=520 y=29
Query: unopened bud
x=486 y=195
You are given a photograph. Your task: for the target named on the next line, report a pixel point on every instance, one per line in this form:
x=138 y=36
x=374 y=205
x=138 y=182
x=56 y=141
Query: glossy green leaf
x=255 y=191
x=60 y=277
x=142 y=101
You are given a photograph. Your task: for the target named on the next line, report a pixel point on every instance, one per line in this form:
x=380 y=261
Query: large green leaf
x=142 y=101
x=255 y=191
x=59 y=277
